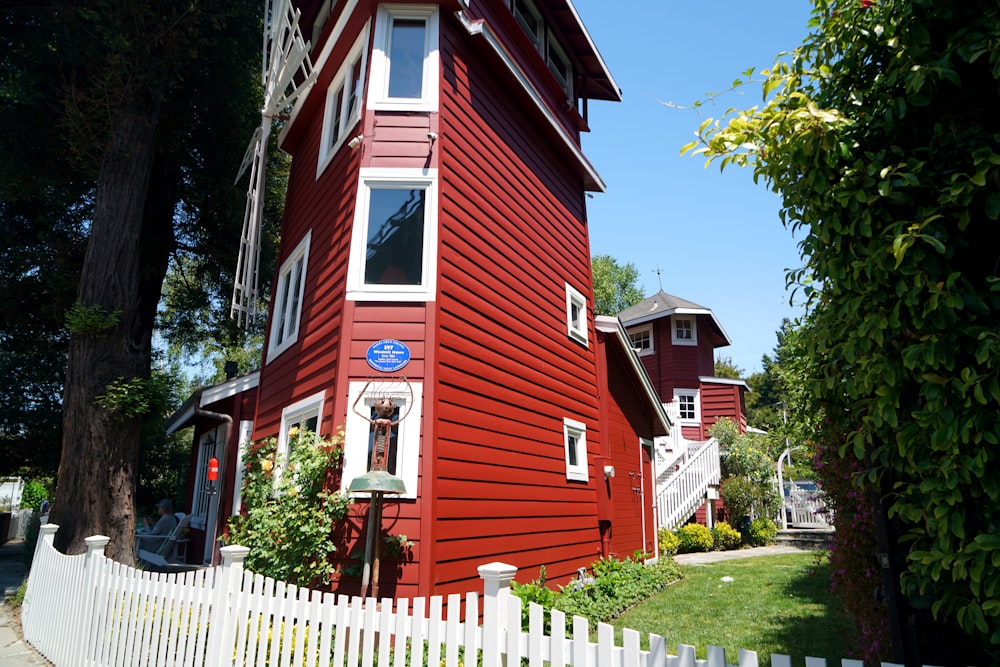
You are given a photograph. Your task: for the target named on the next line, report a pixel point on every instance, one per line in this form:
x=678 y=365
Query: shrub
x=694 y=537
x=33 y=495
x=669 y=542
x=726 y=537
x=762 y=532
x=738 y=493
x=616 y=586
x=289 y=522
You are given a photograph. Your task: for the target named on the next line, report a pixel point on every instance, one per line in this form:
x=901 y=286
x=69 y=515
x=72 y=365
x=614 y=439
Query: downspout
x=228 y=420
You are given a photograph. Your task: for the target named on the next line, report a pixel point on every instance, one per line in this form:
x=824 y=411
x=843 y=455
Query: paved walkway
x=14 y=651
x=718 y=556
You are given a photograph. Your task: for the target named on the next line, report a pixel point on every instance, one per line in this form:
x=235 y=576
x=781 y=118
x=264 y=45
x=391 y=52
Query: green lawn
x=775 y=604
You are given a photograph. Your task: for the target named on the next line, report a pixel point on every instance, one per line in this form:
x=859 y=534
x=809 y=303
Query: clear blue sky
x=716 y=238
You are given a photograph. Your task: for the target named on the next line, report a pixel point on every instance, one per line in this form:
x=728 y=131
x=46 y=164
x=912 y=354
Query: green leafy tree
x=725 y=368
x=143 y=111
x=615 y=285
x=881 y=135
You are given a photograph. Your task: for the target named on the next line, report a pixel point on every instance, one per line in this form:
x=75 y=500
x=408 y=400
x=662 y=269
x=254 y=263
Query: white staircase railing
x=682 y=492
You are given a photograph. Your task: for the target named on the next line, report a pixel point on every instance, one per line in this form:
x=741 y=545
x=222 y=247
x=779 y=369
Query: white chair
x=164 y=549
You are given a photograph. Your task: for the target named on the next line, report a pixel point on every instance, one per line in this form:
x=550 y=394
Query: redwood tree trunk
x=97 y=472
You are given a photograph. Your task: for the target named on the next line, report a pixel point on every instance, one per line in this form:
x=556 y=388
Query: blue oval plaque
x=388 y=355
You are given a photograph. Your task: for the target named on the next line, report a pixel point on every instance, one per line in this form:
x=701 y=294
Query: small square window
x=405 y=58
x=288 y=300
x=685 y=331
x=642 y=339
x=575 y=441
x=576 y=315
x=687 y=401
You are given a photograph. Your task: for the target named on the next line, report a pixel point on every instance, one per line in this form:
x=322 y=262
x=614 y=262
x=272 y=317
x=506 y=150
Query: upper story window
x=559 y=65
x=394 y=244
x=575 y=443
x=343 y=101
x=405 y=58
x=545 y=41
x=403 y=449
x=576 y=315
x=530 y=19
x=685 y=331
x=642 y=339
x=288 y=300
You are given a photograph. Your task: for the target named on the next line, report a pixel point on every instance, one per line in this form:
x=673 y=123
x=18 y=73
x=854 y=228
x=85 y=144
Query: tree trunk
x=97 y=472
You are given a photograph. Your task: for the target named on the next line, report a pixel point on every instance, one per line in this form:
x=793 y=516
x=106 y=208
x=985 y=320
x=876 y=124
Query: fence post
x=223 y=623
x=83 y=645
x=496 y=591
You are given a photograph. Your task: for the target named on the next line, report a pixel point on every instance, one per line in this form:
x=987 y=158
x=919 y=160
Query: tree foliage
x=880 y=132
x=127 y=122
x=615 y=285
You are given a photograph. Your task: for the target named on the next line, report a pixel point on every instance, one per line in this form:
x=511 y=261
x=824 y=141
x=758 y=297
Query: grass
x=775 y=604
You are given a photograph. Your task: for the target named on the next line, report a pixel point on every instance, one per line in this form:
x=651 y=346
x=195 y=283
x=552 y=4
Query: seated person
x=164 y=526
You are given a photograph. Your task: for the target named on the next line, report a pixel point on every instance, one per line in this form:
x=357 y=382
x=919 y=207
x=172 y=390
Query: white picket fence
x=87 y=610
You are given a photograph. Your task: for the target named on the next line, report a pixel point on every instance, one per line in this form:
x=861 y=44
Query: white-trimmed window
x=687 y=400
x=531 y=21
x=575 y=442
x=685 y=330
x=343 y=101
x=403 y=451
x=576 y=315
x=303 y=415
x=559 y=64
x=394 y=243
x=405 y=61
x=288 y=300
x=642 y=339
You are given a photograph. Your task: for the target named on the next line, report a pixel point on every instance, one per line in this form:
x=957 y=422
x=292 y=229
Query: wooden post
x=496 y=590
x=223 y=624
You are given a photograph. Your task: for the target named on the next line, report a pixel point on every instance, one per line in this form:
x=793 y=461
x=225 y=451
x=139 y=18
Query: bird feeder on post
x=378 y=481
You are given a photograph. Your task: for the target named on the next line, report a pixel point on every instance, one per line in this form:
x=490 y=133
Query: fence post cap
x=497 y=571
x=96 y=542
x=234 y=553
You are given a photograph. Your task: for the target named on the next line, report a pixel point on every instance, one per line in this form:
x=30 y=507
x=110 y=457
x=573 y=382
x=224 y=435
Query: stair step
x=814 y=538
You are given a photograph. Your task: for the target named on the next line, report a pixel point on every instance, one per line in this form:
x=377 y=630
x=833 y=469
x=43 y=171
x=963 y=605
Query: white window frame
x=295 y=413
x=402 y=179
x=347 y=117
x=676 y=319
x=535 y=37
x=555 y=52
x=647 y=330
x=693 y=394
x=242 y=447
x=577 y=328
x=378 y=90
x=357 y=428
x=292 y=320
x=575 y=437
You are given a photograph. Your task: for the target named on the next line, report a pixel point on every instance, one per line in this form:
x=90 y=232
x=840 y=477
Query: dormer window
x=642 y=339
x=685 y=331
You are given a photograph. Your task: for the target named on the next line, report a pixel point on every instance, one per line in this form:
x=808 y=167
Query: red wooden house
x=676 y=341
x=436 y=203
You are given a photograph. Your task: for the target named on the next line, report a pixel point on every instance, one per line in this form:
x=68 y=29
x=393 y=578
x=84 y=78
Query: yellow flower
x=266 y=465
x=293 y=431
